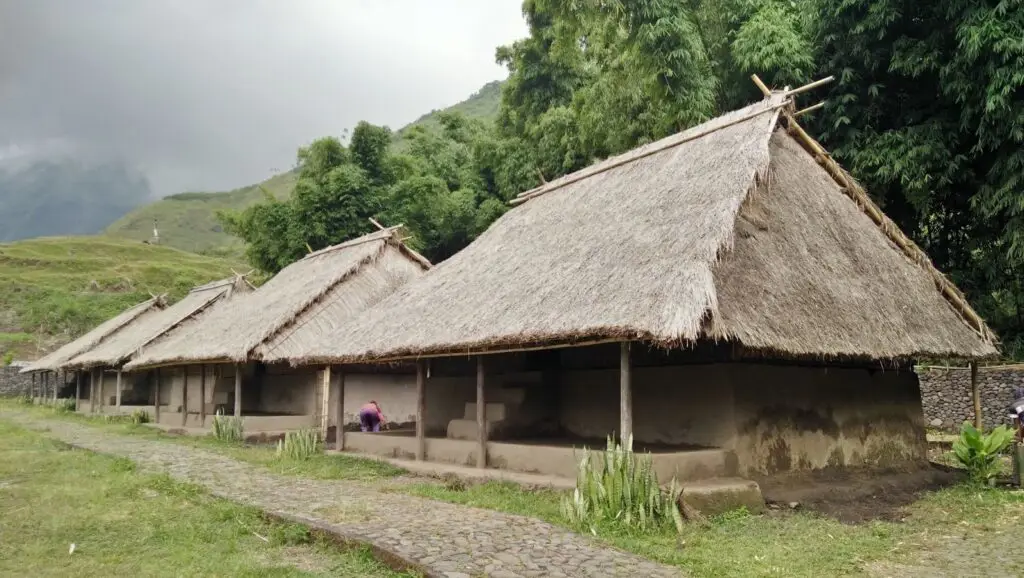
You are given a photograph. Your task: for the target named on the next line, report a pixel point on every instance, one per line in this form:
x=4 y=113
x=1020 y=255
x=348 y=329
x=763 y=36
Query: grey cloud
x=212 y=95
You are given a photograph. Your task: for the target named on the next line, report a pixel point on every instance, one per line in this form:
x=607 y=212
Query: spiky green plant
x=300 y=445
x=228 y=429
x=139 y=417
x=620 y=489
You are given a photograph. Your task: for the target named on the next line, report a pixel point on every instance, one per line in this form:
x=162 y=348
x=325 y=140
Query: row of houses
x=728 y=297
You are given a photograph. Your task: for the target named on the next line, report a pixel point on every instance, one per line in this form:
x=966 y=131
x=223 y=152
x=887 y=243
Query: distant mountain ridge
x=188 y=221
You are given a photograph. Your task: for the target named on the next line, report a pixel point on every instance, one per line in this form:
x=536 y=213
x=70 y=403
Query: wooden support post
x=481 y=415
x=156 y=395
x=46 y=387
x=238 y=390
x=59 y=383
x=117 y=396
x=339 y=435
x=99 y=390
x=325 y=403
x=32 y=387
x=184 y=396
x=202 y=395
x=625 y=395
x=976 y=395
x=421 y=436
x=78 y=387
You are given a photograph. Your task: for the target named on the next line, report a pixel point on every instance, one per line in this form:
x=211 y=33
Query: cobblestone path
x=445 y=540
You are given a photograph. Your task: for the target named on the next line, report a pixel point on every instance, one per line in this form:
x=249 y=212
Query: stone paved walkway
x=445 y=540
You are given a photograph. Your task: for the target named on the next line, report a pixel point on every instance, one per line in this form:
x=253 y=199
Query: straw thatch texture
x=810 y=274
x=131 y=338
x=56 y=359
x=632 y=251
x=233 y=332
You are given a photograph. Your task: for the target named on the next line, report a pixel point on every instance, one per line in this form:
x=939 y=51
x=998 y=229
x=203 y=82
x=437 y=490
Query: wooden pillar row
x=421 y=441
x=156 y=395
x=481 y=415
x=976 y=395
x=339 y=437
x=184 y=396
x=202 y=395
x=625 y=394
x=238 y=390
x=325 y=402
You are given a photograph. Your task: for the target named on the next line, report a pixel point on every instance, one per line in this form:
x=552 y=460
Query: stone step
x=492 y=411
x=719 y=495
x=465 y=429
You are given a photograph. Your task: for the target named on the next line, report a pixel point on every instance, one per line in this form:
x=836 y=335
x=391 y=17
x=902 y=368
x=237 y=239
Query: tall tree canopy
x=927 y=112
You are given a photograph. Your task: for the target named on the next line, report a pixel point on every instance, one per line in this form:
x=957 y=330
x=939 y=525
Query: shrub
x=228 y=428
x=139 y=417
x=8 y=358
x=25 y=400
x=64 y=405
x=300 y=445
x=623 y=491
x=979 y=452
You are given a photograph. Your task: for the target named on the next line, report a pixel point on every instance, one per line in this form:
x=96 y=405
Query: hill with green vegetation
x=188 y=221
x=55 y=288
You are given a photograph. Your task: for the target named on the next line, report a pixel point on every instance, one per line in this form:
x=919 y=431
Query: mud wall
x=790 y=417
x=946 y=395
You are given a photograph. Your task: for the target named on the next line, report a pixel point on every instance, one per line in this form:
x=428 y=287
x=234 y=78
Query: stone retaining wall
x=946 y=395
x=13 y=383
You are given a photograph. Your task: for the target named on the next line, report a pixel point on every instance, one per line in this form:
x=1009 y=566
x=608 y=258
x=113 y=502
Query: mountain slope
x=187 y=221
x=65 y=197
x=57 y=287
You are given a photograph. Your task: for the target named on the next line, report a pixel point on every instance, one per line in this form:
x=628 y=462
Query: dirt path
x=443 y=539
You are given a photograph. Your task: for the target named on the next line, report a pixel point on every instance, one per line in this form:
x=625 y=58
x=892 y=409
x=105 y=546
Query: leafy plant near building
x=620 y=488
x=979 y=452
x=300 y=445
x=228 y=429
x=140 y=417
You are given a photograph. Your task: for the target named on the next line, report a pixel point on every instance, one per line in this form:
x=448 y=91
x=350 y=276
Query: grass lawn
x=124 y=523
x=953 y=529
x=796 y=543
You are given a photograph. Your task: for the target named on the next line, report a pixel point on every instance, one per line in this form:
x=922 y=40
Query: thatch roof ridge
x=563 y=268
x=230 y=334
x=145 y=328
x=55 y=359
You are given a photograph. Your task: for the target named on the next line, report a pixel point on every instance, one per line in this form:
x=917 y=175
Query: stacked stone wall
x=946 y=394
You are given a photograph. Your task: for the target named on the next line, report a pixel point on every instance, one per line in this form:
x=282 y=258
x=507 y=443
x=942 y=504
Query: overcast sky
x=215 y=94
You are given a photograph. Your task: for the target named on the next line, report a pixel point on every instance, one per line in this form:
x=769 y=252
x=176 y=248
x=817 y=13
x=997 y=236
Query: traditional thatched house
x=728 y=296
x=121 y=391
x=54 y=364
x=290 y=313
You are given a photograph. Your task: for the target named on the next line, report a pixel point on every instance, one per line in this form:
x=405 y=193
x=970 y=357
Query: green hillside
x=57 y=287
x=187 y=220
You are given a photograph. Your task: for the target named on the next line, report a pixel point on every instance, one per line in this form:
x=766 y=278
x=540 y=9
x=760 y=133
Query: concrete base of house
x=268 y=425
x=533 y=458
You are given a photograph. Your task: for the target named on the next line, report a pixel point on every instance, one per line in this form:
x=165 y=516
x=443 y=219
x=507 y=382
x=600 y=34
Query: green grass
x=776 y=544
x=124 y=523
x=59 y=287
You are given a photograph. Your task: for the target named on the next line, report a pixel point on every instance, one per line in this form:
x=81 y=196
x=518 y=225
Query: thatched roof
x=727 y=231
x=134 y=336
x=294 y=308
x=57 y=359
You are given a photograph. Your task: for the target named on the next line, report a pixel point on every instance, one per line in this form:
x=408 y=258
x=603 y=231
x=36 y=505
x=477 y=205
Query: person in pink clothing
x=371 y=418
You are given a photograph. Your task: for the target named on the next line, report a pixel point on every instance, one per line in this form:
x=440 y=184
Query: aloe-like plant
x=620 y=489
x=300 y=445
x=139 y=417
x=228 y=428
x=979 y=452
